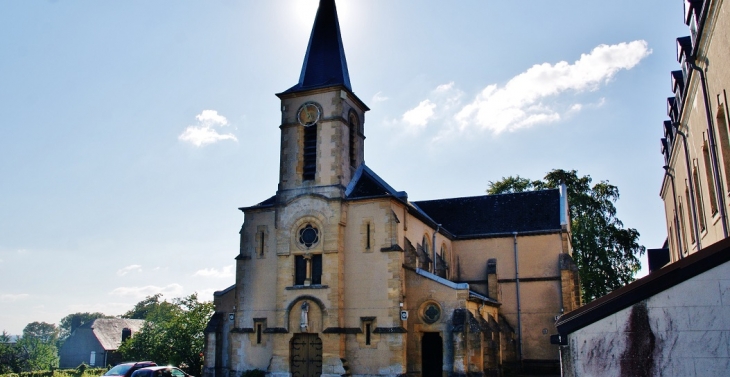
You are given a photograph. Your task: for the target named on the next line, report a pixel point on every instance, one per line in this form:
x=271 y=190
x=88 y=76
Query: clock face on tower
x=308 y=114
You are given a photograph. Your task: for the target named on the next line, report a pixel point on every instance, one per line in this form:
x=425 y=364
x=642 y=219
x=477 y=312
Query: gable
x=109 y=330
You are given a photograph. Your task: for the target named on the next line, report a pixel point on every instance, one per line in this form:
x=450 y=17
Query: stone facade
x=696 y=144
x=339 y=274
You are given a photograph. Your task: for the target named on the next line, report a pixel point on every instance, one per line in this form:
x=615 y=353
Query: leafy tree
x=173 y=333
x=605 y=252
x=10 y=360
x=150 y=307
x=37 y=347
x=71 y=322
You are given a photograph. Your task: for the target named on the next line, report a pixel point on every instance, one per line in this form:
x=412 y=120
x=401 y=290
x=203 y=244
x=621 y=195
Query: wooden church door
x=306 y=355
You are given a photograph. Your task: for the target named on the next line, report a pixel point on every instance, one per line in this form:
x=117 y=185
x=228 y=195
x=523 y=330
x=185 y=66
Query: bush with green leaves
x=173 y=333
x=87 y=372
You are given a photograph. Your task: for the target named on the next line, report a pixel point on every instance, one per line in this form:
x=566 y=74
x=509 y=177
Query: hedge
x=79 y=372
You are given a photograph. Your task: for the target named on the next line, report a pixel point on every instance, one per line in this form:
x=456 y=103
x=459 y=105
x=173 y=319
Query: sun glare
x=305 y=10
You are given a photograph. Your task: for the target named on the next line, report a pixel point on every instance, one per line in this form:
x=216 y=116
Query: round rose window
x=308 y=236
x=431 y=313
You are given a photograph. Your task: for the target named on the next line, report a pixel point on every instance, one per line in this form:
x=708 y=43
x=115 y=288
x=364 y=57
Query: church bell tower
x=322 y=134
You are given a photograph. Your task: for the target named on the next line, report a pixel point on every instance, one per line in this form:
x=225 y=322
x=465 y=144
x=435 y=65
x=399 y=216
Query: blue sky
x=131 y=131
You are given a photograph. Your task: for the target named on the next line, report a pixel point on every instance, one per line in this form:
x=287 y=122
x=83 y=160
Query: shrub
x=78 y=372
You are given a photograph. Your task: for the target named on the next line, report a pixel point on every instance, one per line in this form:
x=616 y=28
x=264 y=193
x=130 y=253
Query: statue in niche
x=304 y=322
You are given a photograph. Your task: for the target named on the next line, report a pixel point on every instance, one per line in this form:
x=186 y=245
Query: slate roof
x=266 y=203
x=324 y=63
x=109 y=330
x=366 y=184
x=496 y=214
x=533 y=211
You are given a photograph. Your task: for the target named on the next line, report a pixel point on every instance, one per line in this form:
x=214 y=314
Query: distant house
x=95 y=343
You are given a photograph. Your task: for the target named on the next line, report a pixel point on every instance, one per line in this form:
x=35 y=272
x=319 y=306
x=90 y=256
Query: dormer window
x=672 y=110
x=669 y=135
x=678 y=88
x=684 y=51
x=687 y=10
x=693 y=29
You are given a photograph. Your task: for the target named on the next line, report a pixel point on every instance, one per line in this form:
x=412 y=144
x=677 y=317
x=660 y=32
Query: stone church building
x=340 y=274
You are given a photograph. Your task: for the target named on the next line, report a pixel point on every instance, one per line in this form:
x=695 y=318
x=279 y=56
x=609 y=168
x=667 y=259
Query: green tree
x=173 y=333
x=37 y=347
x=71 y=322
x=151 y=306
x=606 y=253
x=10 y=360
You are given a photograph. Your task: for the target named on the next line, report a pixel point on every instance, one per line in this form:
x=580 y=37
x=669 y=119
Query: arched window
x=683 y=227
x=689 y=213
x=309 y=153
x=443 y=260
x=308 y=267
x=425 y=256
x=699 y=200
x=722 y=130
x=710 y=177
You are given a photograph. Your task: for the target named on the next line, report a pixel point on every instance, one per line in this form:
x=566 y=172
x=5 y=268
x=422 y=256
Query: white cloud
x=12 y=298
x=443 y=88
x=211 y=118
x=379 y=97
x=204 y=133
x=522 y=102
x=128 y=269
x=174 y=290
x=226 y=272
x=418 y=116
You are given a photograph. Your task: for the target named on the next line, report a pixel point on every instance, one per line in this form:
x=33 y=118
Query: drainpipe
x=519 y=308
x=693 y=206
x=719 y=191
x=676 y=220
x=433 y=246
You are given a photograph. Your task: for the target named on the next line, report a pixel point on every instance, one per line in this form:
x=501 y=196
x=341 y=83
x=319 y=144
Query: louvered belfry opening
x=310 y=153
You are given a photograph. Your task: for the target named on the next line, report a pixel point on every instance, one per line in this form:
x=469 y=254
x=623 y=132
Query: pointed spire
x=325 y=63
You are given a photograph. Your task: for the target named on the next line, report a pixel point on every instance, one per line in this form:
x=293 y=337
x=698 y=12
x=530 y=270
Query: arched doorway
x=306 y=355
x=432 y=356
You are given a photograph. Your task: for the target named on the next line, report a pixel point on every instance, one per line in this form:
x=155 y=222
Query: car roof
x=158 y=367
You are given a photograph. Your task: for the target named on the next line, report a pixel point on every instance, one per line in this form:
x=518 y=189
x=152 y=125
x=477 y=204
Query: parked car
x=160 y=371
x=126 y=369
